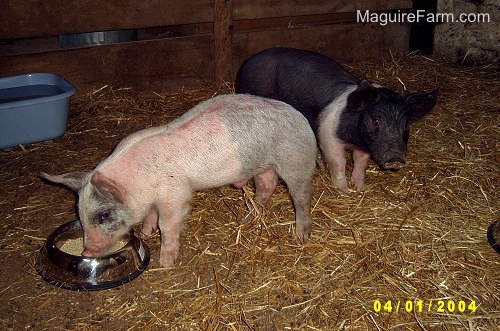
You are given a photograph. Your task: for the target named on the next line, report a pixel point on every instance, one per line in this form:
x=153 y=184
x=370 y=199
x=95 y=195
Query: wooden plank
x=37 y=18
x=41 y=45
x=222 y=40
x=244 y=9
x=183 y=30
x=286 y=22
x=342 y=42
x=159 y=65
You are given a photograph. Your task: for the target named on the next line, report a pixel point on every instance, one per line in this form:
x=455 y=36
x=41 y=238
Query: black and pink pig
x=152 y=174
x=345 y=112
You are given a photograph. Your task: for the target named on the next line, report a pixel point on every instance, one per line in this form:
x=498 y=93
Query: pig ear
x=108 y=187
x=421 y=103
x=365 y=95
x=72 y=180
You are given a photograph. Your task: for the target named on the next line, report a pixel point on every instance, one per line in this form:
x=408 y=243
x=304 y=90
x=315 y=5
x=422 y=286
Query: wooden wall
x=183 y=44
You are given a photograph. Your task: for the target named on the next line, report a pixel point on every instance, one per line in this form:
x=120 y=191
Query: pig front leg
x=334 y=152
x=150 y=224
x=333 y=149
x=171 y=218
x=361 y=160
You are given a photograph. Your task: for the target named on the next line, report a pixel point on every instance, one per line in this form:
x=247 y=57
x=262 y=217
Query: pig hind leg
x=265 y=184
x=300 y=189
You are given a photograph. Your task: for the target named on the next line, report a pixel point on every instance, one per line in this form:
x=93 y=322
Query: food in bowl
x=64 y=266
x=74 y=246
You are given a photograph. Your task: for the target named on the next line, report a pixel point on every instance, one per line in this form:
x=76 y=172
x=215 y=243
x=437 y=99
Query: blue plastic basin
x=33 y=108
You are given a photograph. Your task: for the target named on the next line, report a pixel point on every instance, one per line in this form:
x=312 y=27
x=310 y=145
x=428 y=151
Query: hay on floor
x=416 y=237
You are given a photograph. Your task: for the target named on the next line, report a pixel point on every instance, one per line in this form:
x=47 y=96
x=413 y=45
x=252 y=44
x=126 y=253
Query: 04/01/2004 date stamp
x=425 y=306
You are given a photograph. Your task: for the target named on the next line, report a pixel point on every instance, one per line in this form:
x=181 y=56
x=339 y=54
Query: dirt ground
x=412 y=237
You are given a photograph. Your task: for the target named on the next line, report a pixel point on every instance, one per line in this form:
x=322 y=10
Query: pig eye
x=104 y=216
x=377 y=120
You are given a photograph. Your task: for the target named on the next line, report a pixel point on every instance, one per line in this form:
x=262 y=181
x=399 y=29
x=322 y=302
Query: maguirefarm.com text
x=419 y=16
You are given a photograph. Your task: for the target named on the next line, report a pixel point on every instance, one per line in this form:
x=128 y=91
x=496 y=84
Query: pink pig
x=152 y=174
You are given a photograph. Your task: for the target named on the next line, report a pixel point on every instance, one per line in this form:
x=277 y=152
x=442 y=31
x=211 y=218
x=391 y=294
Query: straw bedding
x=417 y=235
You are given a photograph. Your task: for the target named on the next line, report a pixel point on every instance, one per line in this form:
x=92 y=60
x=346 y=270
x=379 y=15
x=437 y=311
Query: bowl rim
x=490 y=234
x=50 y=251
x=36 y=78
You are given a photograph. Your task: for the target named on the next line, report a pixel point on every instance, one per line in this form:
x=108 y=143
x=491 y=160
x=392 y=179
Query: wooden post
x=222 y=41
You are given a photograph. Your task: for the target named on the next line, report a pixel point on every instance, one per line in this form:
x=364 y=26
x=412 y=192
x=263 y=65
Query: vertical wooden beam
x=222 y=41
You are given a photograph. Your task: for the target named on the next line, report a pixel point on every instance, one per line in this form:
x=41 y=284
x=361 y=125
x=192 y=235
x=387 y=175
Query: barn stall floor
x=416 y=236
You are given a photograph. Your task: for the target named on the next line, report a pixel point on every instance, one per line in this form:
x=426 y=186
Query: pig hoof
x=341 y=185
x=303 y=234
x=343 y=190
x=167 y=261
x=167 y=258
x=144 y=236
x=358 y=183
x=358 y=187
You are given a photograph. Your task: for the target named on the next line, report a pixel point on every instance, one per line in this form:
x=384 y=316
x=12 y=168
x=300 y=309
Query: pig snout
x=90 y=252
x=95 y=249
x=389 y=156
x=95 y=243
x=394 y=164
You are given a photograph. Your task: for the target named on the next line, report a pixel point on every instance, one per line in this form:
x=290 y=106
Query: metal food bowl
x=76 y=272
x=493 y=235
